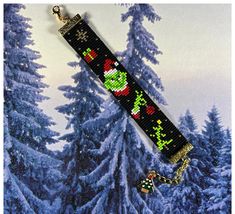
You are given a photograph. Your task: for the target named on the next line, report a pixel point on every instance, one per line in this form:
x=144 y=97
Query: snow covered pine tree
x=188 y=197
x=218 y=194
x=213 y=133
x=85 y=104
x=122 y=156
x=31 y=177
x=207 y=185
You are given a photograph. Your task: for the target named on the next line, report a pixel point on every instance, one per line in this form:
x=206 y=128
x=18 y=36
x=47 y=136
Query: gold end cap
x=181 y=153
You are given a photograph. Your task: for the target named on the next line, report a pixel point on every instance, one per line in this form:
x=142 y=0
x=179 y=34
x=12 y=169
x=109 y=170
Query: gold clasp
x=56 y=10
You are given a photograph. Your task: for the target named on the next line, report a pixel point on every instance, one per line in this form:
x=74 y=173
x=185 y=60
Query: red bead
x=150 y=110
x=136 y=116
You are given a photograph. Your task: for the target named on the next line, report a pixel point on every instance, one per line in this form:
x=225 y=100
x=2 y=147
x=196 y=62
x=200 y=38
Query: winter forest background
x=104 y=153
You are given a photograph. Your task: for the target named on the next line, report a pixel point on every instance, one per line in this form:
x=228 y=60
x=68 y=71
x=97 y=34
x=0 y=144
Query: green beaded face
x=115 y=81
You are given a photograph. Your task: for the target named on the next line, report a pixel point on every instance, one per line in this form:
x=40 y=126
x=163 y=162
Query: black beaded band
x=131 y=96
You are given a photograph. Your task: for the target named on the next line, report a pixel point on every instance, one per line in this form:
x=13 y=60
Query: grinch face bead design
x=115 y=80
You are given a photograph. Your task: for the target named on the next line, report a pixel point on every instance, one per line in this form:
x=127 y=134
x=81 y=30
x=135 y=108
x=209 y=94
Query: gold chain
x=178 y=175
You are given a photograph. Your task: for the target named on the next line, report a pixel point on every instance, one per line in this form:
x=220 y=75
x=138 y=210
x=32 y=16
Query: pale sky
x=195 y=67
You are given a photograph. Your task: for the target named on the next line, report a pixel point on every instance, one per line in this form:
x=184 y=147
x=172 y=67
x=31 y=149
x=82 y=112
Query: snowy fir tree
x=206 y=188
x=213 y=134
x=188 y=127
x=141 y=47
x=122 y=156
x=85 y=101
x=122 y=159
x=31 y=175
x=226 y=148
x=219 y=194
x=187 y=196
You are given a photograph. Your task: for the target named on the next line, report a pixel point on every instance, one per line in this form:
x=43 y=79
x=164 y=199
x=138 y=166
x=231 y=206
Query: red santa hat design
x=110 y=66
